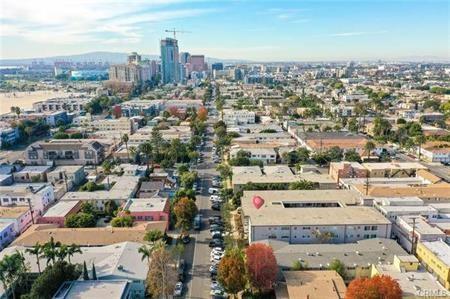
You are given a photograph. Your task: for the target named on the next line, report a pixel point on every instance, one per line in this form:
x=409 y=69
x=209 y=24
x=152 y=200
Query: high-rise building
x=198 y=63
x=185 y=58
x=170 y=61
x=134 y=58
x=218 y=66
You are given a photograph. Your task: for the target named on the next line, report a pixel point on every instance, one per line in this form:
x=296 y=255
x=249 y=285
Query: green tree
x=80 y=220
x=46 y=285
x=188 y=179
x=369 y=147
x=297 y=266
x=110 y=207
x=147 y=149
x=36 y=250
x=337 y=266
x=302 y=185
x=353 y=126
x=125 y=139
x=107 y=167
x=71 y=250
x=303 y=154
x=50 y=250
x=419 y=140
x=153 y=235
x=122 y=221
x=352 y=156
x=12 y=267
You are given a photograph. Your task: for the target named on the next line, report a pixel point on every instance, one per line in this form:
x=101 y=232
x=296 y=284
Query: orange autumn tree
x=231 y=272
x=377 y=287
x=202 y=113
x=261 y=266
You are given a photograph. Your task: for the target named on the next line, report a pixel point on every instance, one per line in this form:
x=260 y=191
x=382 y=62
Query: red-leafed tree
x=202 y=113
x=261 y=266
x=117 y=111
x=231 y=272
x=377 y=287
x=173 y=110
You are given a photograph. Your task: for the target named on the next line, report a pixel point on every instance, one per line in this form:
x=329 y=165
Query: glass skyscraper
x=170 y=61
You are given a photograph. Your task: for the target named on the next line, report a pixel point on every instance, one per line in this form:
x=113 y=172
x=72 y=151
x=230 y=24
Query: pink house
x=149 y=209
x=58 y=213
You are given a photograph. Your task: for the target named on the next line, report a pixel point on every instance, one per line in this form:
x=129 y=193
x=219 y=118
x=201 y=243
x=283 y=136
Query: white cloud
x=75 y=21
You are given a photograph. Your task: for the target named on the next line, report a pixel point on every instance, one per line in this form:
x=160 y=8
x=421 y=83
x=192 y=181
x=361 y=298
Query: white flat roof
x=274 y=212
x=146 y=204
x=79 y=289
x=61 y=209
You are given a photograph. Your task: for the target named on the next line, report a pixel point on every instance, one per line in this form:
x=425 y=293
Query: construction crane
x=174 y=31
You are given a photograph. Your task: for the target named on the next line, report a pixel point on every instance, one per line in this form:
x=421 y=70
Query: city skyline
x=250 y=30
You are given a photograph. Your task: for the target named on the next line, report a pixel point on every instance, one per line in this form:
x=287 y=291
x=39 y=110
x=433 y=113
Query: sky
x=260 y=30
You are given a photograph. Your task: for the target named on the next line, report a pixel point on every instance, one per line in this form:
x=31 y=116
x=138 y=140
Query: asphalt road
x=197 y=253
x=437 y=168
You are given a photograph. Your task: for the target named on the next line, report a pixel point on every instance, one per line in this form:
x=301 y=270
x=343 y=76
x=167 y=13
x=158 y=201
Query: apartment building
x=265 y=155
x=40 y=196
x=20 y=217
x=149 y=209
x=436 y=151
x=124 y=187
x=276 y=174
x=8 y=135
x=58 y=213
x=340 y=170
x=65 y=152
x=236 y=117
x=123 y=124
x=435 y=255
x=313 y=216
x=71 y=103
x=357 y=257
x=117 y=261
x=322 y=141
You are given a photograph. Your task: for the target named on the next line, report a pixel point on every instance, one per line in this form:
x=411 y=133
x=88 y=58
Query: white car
x=218 y=255
x=217 y=250
x=215 y=198
x=178 y=291
x=215 y=258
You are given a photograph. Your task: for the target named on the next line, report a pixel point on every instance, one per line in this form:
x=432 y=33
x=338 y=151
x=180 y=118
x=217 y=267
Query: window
x=366 y=227
x=374 y=227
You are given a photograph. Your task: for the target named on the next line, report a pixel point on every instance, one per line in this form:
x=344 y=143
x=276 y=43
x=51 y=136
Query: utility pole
x=31 y=210
x=413 y=239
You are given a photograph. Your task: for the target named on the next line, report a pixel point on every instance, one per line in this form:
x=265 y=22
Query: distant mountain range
x=110 y=57
x=117 y=57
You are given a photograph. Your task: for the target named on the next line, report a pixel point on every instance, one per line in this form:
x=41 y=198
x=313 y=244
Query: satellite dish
x=257 y=201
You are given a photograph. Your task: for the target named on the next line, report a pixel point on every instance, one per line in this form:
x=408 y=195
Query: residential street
x=197 y=252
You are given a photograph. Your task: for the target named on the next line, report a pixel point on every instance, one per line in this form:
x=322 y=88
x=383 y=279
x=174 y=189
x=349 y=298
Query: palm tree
x=419 y=140
x=50 y=250
x=107 y=167
x=71 y=250
x=125 y=139
x=61 y=253
x=369 y=147
x=146 y=252
x=29 y=131
x=12 y=267
x=147 y=150
x=36 y=250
